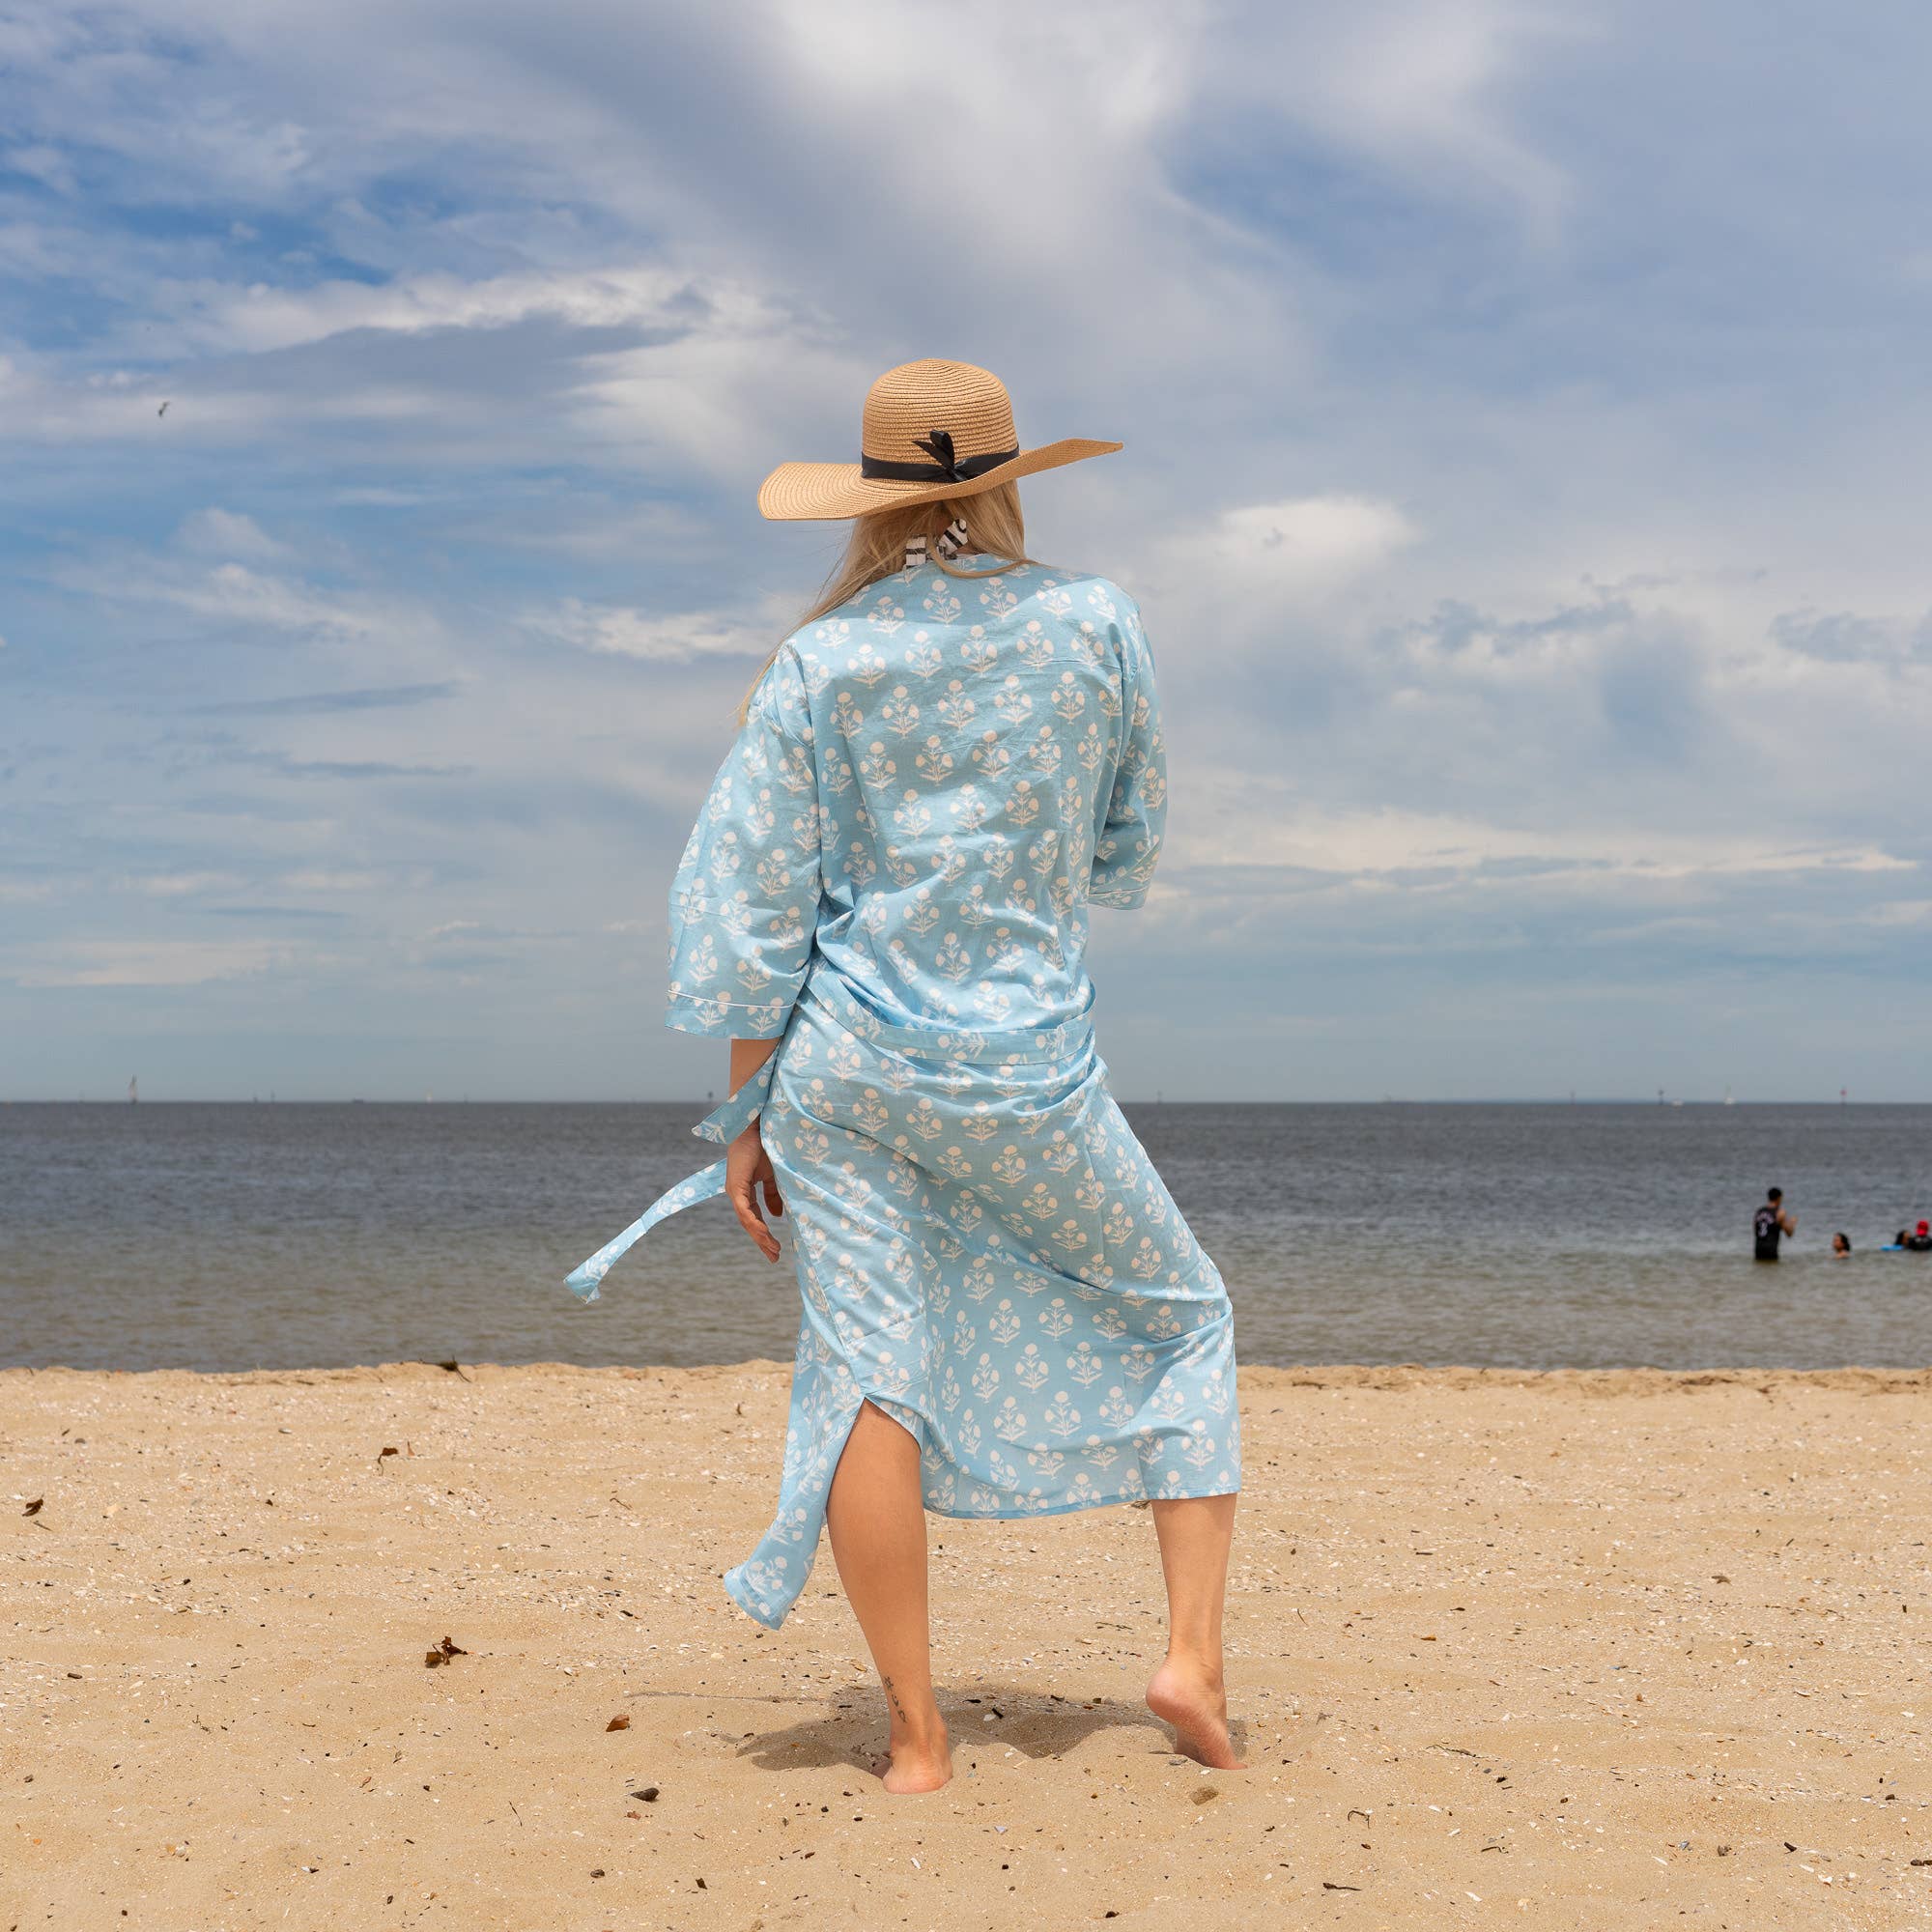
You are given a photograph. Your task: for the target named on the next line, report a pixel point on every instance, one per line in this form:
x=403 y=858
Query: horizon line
x=1155 y=1099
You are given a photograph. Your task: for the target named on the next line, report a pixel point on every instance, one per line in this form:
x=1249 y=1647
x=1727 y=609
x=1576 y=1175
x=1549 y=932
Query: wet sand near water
x=1612 y=1649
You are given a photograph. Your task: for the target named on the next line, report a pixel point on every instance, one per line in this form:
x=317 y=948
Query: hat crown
x=906 y=404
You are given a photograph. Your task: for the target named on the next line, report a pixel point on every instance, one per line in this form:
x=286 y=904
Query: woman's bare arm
x=748 y=1167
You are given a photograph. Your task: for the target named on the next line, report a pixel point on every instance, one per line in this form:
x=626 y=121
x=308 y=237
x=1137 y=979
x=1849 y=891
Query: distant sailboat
x=1728 y=1101
x=133 y=1092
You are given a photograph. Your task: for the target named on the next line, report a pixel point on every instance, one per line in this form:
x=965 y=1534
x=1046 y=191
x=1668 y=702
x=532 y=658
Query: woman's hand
x=748 y=1167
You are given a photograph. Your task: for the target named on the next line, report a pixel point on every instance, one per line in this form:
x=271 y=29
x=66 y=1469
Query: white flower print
x=1035 y=646
x=1014 y=701
x=934 y=762
x=898 y=713
x=979 y=651
x=971 y=809
x=998 y=596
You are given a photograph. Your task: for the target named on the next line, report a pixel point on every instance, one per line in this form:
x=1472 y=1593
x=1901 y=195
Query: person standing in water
x=884 y=909
x=1768 y=1224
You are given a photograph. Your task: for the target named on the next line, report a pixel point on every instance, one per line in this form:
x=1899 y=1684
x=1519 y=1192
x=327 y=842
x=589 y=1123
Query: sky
x=1525 y=411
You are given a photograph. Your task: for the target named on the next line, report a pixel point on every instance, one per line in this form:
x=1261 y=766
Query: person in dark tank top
x=1769 y=1225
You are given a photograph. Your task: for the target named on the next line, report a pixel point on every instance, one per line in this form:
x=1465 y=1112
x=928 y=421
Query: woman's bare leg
x=1188 y=1690
x=878 y=1540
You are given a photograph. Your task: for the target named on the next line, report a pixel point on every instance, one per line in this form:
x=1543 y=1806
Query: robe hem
x=757 y=1616
x=693 y=1012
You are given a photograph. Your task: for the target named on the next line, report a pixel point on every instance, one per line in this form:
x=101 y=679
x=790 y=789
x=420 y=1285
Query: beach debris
x=452 y=1367
x=1361 y=1814
x=34 y=1507
x=1330 y=1884
x=620 y=1722
x=1203 y=1794
x=443 y=1653
x=596 y=1871
x=387 y=1450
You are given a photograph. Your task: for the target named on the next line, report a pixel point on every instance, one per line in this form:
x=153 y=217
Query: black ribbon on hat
x=944 y=467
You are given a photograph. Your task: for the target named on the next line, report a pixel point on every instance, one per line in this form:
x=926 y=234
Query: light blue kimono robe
x=891 y=875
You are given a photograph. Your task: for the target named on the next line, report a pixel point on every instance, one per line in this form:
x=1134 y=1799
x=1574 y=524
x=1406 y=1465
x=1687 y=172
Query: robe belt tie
x=825 y=997
x=722 y=1125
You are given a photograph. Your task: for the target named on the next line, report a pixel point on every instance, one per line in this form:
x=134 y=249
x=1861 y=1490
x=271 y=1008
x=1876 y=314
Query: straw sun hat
x=931 y=429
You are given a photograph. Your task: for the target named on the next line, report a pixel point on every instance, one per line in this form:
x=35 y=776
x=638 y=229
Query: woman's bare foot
x=1196 y=1705
x=916 y=1765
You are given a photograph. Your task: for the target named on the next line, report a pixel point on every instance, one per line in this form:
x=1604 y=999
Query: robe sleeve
x=1129 y=847
x=743 y=905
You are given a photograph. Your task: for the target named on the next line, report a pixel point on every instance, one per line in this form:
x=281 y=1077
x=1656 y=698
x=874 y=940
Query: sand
x=1627 y=1649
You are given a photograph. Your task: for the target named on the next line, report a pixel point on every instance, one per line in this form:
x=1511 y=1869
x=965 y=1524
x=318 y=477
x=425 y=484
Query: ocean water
x=239 y=1237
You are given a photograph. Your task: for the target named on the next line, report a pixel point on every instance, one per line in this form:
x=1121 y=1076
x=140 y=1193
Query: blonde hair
x=876 y=549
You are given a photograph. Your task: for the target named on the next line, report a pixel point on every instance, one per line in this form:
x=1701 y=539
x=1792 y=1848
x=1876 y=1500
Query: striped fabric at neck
x=951 y=543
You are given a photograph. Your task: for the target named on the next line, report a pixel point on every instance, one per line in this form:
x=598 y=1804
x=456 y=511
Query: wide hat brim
x=804 y=492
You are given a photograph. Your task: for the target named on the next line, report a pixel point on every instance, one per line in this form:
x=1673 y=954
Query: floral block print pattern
x=935 y=782
x=987 y=1254
x=891 y=875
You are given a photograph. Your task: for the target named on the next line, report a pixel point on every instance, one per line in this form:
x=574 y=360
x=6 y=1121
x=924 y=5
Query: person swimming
x=1841 y=1246
x=1918 y=1241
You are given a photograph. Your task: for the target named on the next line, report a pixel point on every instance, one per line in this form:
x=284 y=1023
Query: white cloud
x=132 y=962
x=259 y=317
x=1358 y=846
x=1901 y=913
x=673 y=637
x=1300 y=548
x=181 y=884
x=227 y=534
x=235 y=594
x=1420 y=85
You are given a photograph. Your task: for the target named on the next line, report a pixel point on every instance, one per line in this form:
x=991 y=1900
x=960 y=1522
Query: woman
x=883 y=907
